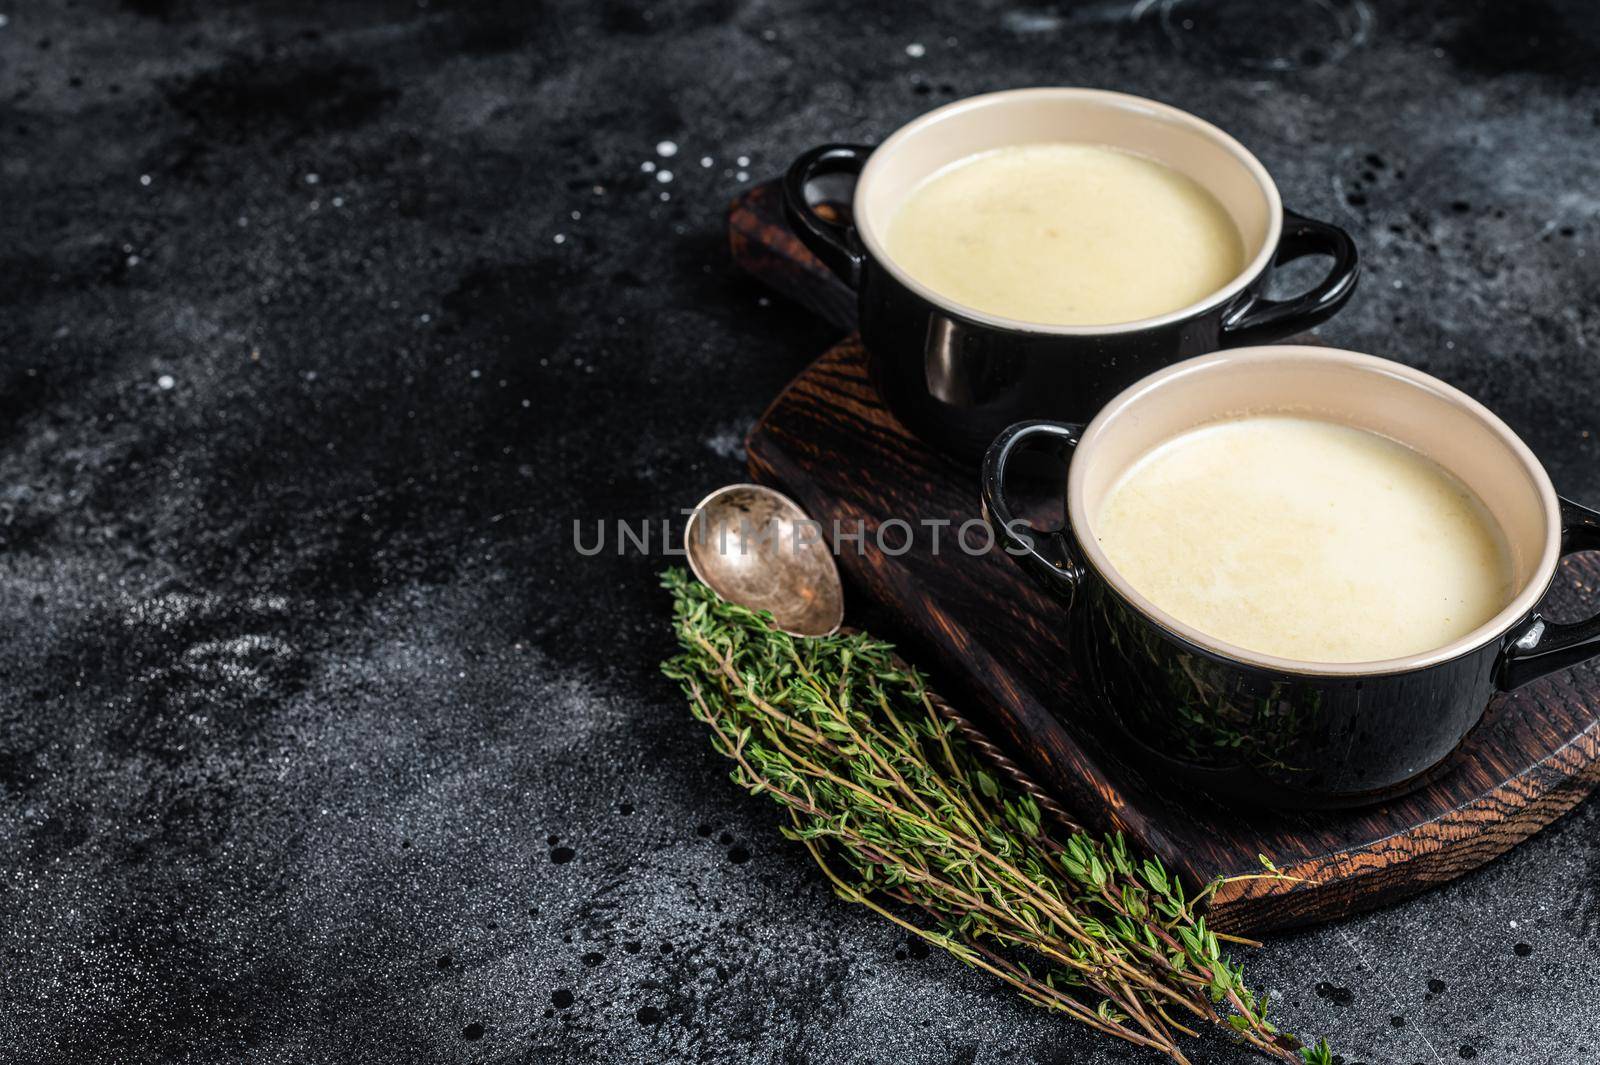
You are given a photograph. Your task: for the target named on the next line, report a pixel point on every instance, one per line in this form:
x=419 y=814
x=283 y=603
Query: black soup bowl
x=1271 y=730
x=956 y=375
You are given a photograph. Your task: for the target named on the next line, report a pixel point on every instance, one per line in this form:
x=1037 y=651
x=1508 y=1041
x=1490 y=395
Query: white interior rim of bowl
x=1269 y=190
x=1521 y=604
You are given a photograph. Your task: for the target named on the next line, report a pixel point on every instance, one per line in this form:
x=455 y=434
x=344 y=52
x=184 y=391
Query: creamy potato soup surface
x=1307 y=540
x=1066 y=234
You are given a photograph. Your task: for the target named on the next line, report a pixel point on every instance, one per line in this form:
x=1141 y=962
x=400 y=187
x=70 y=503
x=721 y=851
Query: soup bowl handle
x=1260 y=320
x=1542 y=647
x=1050 y=557
x=834 y=242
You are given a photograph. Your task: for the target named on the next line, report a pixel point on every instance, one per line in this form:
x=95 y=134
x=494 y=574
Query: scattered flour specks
x=727 y=443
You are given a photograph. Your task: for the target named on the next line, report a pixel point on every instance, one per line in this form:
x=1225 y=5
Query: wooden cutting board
x=973 y=623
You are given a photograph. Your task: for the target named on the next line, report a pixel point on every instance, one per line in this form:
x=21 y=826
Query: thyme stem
x=902 y=818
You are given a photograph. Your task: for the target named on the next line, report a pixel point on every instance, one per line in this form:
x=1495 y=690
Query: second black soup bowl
x=1257 y=727
x=956 y=375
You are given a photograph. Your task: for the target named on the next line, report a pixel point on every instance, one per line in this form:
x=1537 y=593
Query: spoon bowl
x=755 y=547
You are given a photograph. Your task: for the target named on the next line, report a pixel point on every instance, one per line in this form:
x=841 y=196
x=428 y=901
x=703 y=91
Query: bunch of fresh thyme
x=902 y=819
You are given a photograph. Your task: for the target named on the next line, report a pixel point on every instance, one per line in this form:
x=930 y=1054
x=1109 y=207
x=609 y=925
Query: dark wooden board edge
x=1421 y=857
x=765 y=248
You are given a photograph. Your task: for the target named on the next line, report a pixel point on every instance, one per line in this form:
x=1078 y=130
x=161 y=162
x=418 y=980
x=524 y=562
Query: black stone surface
x=320 y=324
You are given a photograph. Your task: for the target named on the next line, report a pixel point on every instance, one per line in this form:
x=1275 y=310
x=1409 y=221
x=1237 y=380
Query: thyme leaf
x=902 y=818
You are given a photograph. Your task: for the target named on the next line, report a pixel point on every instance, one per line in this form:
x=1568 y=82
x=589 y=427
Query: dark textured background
x=321 y=322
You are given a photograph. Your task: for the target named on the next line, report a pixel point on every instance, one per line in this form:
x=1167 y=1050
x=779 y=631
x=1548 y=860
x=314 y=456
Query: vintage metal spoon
x=756 y=547
x=800 y=586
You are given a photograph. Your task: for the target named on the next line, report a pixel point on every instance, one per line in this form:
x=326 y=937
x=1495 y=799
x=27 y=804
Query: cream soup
x=1066 y=234
x=1307 y=540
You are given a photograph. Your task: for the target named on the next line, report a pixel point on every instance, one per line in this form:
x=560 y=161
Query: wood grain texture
x=986 y=635
x=765 y=247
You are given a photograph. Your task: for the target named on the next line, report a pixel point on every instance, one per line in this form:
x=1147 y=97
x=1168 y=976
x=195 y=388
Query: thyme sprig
x=902 y=818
